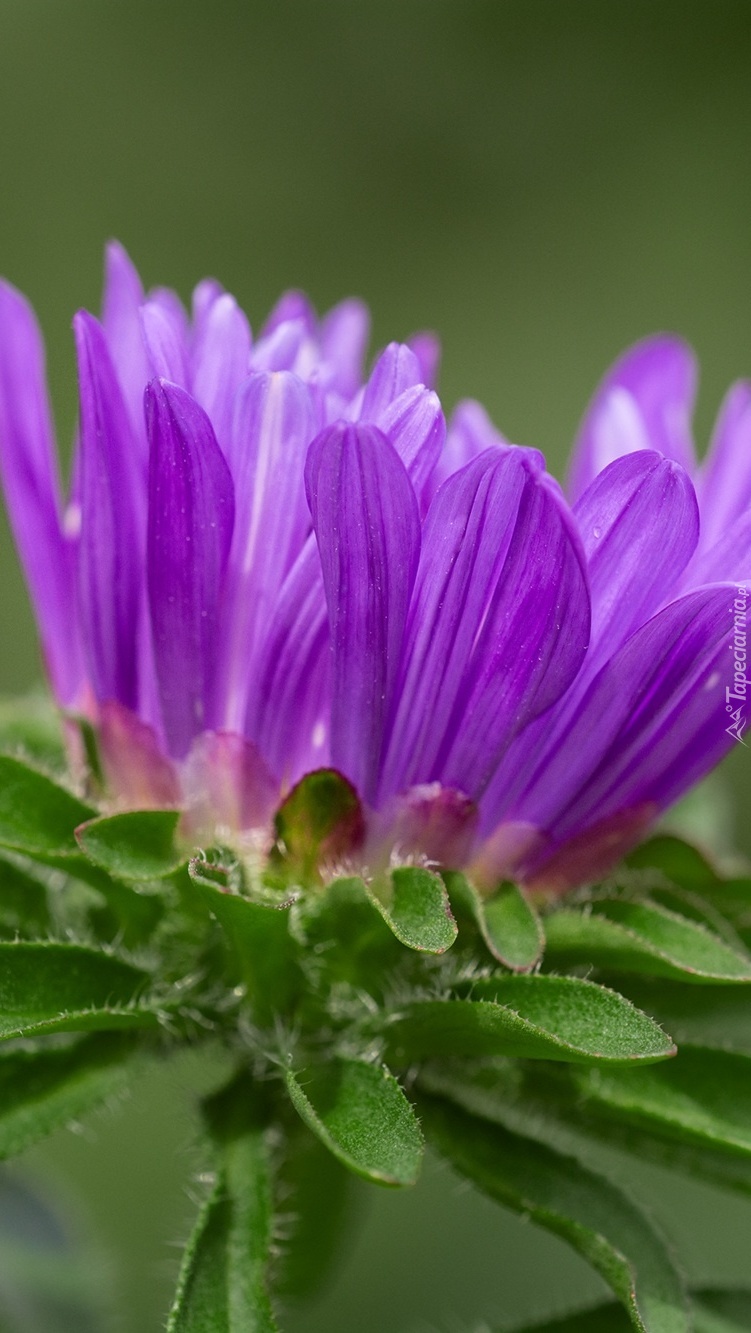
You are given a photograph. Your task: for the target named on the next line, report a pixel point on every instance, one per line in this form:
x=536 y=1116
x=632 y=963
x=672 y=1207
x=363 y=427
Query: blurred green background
x=543 y=183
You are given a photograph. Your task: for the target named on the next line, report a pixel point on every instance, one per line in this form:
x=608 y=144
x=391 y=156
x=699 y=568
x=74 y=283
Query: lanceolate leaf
x=36 y=815
x=43 y=1089
x=703 y=1097
x=361 y=1114
x=544 y=1018
x=415 y=906
x=562 y=1195
x=51 y=987
x=643 y=937
x=319 y=823
x=133 y=846
x=701 y=1016
x=508 y=923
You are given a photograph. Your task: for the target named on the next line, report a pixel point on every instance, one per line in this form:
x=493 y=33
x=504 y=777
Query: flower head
x=270 y=564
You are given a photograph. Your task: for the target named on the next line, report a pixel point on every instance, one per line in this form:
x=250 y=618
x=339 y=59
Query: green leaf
x=508 y=923
x=139 y=845
x=258 y=935
x=44 y=1089
x=23 y=902
x=345 y=938
x=30 y=729
x=701 y=1016
x=415 y=906
x=703 y=1097
x=36 y=815
x=223 y=1286
x=318 y=1195
x=319 y=823
x=676 y=861
x=362 y=1116
x=642 y=937
x=562 y=1195
x=539 y=1018
x=608 y=1318
x=51 y=987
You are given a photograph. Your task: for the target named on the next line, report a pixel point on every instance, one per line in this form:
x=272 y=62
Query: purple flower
x=269 y=563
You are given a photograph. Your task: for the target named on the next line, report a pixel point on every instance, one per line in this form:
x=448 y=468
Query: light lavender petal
x=645 y=401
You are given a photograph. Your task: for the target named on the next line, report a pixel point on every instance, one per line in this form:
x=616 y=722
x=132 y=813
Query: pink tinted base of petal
x=431 y=821
x=137 y=774
x=227 y=788
x=502 y=855
x=591 y=855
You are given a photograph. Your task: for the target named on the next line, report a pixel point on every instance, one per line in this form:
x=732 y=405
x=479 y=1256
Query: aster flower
x=269 y=564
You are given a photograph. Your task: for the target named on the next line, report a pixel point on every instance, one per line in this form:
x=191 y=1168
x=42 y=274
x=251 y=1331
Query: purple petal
x=205 y=293
x=470 y=433
x=272 y=427
x=344 y=337
x=191 y=513
x=111 y=548
x=289 y=710
x=366 y=523
x=645 y=402
x=652 y=722
x=282 y=349
x=32 y=491
x=639 y=523
x=427 y=349
x=725 y=479
x=728 y=561
x=291 y=306
x=396 y=369
x=416 y=427
x=498 y=625
x=121 y=320
x=165 y=337
x=220 y=360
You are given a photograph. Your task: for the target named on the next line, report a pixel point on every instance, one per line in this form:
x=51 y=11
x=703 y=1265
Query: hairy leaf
x=52 y=987
x=36 y=815
x=646 y=938
x=139 y=845
x=362 y=1116
x=543 y=1018
x=561 y=1194
x=508 y=923
x=415 y=906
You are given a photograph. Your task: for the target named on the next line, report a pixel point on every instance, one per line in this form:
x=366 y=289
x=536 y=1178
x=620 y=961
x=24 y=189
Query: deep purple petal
x=652 y=722
x=639 y=522
x=644 y=402
x=113 y=512
x=32 y=491
x=191 y=513
x=272 y=427
x=498 y=624
x=121 y=320
x=366 y=523
x=724 y=484
x=220 y=359
x=344 y=337
x=396 y=369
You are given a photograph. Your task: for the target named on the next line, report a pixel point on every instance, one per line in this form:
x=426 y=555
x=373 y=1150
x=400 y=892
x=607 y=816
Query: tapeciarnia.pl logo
x=736 y=694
